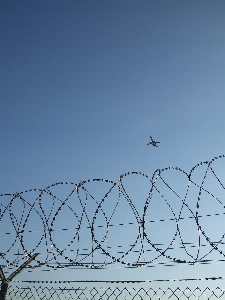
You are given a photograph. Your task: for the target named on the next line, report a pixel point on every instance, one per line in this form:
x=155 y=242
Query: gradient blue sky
x=85 y=83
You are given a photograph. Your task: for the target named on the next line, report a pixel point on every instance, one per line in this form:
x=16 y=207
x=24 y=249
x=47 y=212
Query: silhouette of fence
x=99 y=223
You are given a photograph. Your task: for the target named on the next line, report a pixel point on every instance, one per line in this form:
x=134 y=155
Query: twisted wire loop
x=134 y=221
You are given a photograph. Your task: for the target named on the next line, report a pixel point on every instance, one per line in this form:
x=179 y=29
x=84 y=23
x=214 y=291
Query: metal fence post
x=5 y=282
x=4 y=288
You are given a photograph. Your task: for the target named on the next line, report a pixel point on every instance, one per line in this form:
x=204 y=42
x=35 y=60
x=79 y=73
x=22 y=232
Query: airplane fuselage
x=153 y=143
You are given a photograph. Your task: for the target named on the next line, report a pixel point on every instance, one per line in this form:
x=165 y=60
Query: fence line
x=47 y=215
x=95 y=293
x=100 y=223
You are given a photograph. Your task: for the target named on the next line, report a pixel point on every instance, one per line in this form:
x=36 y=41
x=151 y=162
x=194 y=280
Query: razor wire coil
x=47 y=207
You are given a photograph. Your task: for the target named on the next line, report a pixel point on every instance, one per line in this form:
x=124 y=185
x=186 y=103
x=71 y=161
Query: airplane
x=153 y=143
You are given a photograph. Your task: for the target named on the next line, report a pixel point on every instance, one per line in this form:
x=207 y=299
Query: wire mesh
x=111 y=293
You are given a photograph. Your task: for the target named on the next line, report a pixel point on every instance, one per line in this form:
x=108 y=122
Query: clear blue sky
x=85 y=83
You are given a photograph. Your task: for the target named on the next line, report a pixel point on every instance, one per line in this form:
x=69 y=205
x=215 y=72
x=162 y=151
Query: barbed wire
x=122 y=281
x=70 y=226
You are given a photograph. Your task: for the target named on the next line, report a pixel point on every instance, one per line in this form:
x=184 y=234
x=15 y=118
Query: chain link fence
x=111 y=293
